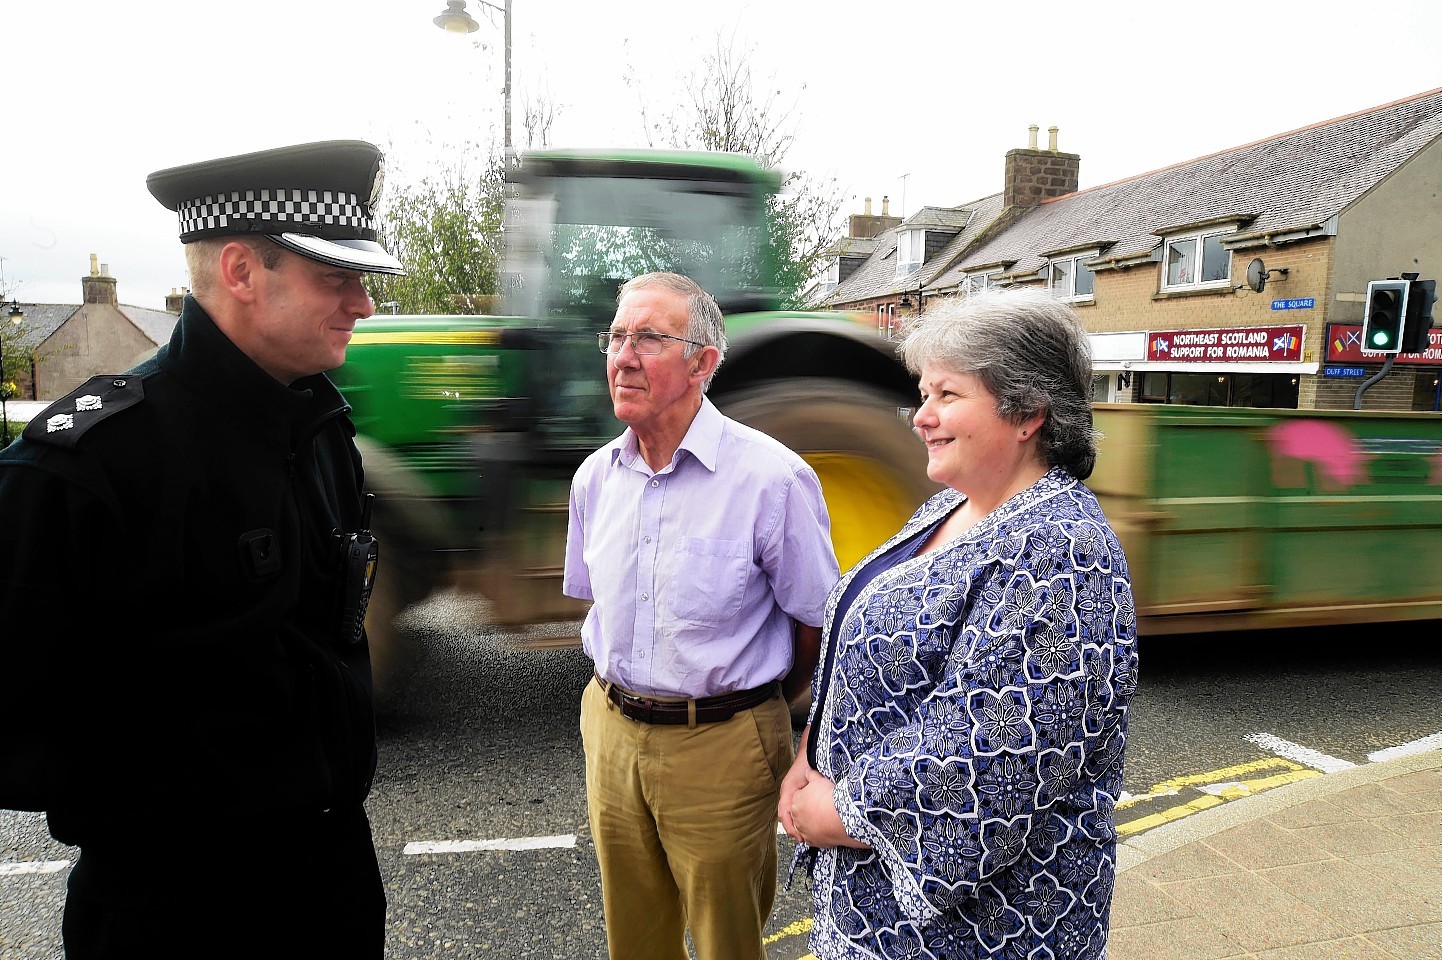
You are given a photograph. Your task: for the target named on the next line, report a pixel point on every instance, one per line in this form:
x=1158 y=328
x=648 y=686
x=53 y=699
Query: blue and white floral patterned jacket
x=974 y=722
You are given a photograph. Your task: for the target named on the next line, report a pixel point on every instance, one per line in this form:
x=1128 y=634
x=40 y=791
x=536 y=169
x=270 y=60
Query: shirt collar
x=702 y=440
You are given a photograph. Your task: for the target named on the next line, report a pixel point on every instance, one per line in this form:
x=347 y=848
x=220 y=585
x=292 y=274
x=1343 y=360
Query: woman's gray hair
x=704 y=323
x=1030 y=351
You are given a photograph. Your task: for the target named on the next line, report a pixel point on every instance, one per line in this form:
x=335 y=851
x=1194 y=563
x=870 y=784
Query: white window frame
x=1069 y=294
x=973 y=282
x=1198 y=242
x=830 y=277
x=886 y=320
x=909 y=244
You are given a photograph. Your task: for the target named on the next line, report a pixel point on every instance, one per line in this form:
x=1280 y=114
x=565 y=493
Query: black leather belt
x=633 y=706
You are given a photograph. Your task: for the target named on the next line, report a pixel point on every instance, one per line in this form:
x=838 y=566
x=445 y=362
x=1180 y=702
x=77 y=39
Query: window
x=977 y=281
x=1197 y=261
x=1277 y=390
x=910 y=252
x=831 y=276
x=1071 y=278
x=886 y=320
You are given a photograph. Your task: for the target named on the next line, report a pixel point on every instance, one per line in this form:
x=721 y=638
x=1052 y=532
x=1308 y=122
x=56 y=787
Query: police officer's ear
x=238 y=269
x=703 y=363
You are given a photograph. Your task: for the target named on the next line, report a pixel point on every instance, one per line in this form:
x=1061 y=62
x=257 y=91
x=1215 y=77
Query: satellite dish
x=1257 y=275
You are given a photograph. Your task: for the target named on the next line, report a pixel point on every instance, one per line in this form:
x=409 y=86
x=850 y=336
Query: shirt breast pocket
x=709 y=580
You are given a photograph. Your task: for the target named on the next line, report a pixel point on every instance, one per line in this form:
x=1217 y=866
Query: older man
x=186 y=544
x=705 y=547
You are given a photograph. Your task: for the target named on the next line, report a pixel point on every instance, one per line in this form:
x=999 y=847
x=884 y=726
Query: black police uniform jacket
x=168 y=602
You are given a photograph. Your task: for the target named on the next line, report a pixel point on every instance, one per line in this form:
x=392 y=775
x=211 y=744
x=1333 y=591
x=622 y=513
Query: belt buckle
x=635 y=708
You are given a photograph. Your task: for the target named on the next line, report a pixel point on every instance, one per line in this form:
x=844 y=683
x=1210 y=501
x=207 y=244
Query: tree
x=446 y=229
x=725 y=111
x=16 y=355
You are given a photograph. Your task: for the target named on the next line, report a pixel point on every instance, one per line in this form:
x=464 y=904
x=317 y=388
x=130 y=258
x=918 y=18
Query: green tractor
x=471 y=427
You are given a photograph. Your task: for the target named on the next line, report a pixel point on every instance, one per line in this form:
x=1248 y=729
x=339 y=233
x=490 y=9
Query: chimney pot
x=1031 y=139
x=99 y=287
x=868 y=207
x=1051 y=134
x=886 y=206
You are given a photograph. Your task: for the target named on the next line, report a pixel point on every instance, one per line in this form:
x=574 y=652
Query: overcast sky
x=917 y=101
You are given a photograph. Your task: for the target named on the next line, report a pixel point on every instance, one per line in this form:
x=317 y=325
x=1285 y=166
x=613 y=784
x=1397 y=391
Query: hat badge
x=378 y=184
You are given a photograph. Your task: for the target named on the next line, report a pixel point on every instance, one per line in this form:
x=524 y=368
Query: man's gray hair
x=704 y=324
x=1030 y=351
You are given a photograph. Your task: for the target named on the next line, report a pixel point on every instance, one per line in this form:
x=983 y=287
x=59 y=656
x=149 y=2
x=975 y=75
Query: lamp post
x=16 y=315
x=454 y=19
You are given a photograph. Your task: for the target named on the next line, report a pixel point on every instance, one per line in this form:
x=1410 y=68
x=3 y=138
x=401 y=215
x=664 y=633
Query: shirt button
x=655 y=483
x=645 y=539
x=645 y=596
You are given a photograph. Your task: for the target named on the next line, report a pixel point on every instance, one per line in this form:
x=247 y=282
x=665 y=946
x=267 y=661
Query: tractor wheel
x=872 y=467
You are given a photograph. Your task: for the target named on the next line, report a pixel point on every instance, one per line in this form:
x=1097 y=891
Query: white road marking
x=32 y=867
x=1434 y=742
x=1294 y=751
x=471 y=846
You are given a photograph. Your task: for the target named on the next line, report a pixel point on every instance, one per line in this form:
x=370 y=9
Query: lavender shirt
x=698 y=570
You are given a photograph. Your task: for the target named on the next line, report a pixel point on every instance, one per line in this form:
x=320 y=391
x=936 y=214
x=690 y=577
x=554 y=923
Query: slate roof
x=877 y=276
x=157 y=325
x=43 y=319
x=1294 y=181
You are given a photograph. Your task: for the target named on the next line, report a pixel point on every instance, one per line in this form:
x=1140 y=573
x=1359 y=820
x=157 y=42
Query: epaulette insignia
x=65 y=421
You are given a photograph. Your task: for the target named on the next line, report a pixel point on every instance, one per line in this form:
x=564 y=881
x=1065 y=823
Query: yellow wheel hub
x=863 y=500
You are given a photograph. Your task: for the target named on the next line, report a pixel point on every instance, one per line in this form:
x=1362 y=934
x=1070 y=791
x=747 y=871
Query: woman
x=958 y=775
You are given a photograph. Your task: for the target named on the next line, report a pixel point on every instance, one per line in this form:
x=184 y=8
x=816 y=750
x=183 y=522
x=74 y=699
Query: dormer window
x=830 y=277
x=1197 y=261
x=1069 y=278
x=977 y=282
x=910 y=251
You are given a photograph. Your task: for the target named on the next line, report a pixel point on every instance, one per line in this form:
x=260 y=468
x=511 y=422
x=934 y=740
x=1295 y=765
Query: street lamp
x=16 y=315
x=454 y=19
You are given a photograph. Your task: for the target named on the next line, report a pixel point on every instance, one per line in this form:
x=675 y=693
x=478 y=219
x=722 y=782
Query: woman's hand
x=794 y=780
x=807 y=809
x=814 y=816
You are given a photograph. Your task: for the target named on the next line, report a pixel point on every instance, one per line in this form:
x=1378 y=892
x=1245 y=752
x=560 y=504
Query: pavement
x=1346 y=866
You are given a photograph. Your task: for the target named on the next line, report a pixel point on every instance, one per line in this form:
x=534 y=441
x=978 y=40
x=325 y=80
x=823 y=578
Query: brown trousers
x=684 y=822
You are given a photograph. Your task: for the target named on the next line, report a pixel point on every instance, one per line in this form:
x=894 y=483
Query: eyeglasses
x=645 y=343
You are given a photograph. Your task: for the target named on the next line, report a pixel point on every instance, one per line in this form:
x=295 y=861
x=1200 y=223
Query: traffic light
x=1385 y=319
x=1415 y=331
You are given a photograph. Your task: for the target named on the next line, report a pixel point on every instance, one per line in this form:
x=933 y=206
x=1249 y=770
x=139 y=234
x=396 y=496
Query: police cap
x=316 y=199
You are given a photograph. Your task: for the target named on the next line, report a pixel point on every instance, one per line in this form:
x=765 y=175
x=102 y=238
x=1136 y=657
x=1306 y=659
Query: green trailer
x=1242 y=518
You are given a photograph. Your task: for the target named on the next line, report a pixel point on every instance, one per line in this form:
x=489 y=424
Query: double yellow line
x=1220 y=785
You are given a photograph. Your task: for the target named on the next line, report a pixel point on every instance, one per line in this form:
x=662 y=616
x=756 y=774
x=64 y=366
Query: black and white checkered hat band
x=322 y=212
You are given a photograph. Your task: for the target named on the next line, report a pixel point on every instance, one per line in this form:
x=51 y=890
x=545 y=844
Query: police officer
x=187 y=697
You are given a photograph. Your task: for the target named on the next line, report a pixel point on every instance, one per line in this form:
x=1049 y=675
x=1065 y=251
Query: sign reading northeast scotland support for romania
x=1344 y=345
x=1251 y=344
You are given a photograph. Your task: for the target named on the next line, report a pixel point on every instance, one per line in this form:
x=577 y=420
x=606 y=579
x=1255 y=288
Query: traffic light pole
x=1386 y=367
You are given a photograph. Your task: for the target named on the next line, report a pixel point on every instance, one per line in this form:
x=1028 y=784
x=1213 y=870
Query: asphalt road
x=486 y=751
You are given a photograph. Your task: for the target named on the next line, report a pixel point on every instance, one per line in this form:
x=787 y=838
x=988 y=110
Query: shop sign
x=1344 y=345
x=1250 y=344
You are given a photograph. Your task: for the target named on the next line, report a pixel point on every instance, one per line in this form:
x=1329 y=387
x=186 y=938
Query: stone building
x=73 y=343
x=1237 y=278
